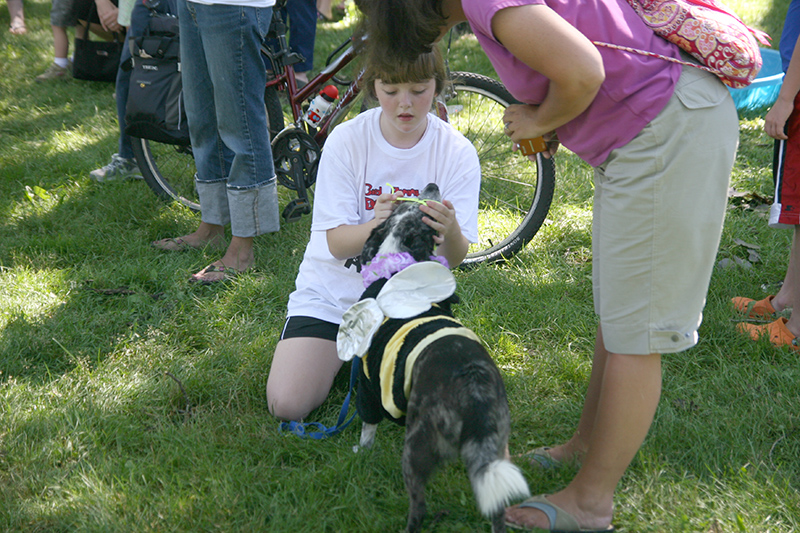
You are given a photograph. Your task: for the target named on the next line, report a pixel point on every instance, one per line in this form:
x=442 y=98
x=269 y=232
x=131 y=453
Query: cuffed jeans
x=223 y=85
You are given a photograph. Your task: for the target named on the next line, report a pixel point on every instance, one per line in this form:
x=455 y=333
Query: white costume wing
x=413 y=290
x=359 y=324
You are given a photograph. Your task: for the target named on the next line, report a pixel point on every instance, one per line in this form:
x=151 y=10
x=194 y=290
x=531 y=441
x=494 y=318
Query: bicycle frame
x=297 y=96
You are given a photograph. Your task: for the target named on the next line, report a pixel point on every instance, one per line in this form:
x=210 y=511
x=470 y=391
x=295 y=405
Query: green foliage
x=131 y=400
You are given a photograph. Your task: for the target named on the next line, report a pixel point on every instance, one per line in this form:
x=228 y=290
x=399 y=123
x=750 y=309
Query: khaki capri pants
x=659 y=207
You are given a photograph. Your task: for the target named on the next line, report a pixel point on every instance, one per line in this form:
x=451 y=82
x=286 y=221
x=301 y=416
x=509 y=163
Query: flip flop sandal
x=560 y=521
x=754 y=309
x=541 y=457
x=172 y=245
x=228 y=273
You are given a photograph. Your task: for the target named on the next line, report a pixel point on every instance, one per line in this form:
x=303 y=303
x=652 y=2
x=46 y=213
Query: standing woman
x=223 y=86
x=662 y=139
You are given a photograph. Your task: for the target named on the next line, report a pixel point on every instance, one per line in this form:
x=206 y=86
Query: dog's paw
x=367 y=435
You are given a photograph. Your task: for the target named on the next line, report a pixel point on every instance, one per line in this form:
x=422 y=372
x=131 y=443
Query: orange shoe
x=779 y=334
x=754 y=309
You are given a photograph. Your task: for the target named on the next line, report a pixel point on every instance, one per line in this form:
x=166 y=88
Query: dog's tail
x=496 y=484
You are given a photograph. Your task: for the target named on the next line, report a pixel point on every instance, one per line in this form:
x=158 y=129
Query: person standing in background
x=223 y=85
x=782 y=123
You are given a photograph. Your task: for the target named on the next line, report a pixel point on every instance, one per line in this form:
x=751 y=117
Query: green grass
x=131 y=400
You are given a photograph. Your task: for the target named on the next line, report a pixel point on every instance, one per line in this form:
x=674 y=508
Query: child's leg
x=60 y=43
x=301 y=376
x=791 y=284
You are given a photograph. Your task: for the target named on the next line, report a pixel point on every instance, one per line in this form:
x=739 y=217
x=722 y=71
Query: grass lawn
x=131 y=400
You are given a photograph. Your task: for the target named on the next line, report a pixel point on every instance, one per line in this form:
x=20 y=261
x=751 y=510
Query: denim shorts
x=659 y=207
x=66 y=13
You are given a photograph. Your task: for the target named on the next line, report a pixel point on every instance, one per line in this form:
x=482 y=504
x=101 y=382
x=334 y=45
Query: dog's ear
x=376 y=237
x=431 y=192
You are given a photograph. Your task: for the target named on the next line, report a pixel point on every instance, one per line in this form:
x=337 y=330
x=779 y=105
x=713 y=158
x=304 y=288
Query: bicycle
x=515 y=192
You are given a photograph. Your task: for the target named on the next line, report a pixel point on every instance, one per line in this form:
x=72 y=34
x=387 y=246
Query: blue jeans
x=223 y=86
x=140 y=18
x=302 y=24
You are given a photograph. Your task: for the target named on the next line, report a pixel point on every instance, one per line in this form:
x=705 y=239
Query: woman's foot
x=551 y=457
x=215 y=273
x=18 y=28
x=238 y=258
x=189 y=242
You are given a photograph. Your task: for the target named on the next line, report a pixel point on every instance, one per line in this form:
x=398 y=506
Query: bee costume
x=393 y=323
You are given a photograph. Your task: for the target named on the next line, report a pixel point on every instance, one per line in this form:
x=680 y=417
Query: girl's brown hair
x=427 y=66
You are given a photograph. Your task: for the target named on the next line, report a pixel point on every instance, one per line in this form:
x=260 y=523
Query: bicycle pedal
x=295 y=209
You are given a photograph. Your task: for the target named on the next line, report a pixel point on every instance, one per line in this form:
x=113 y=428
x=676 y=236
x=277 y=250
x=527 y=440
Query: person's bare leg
x=629 y=395
x=301 y=376
x=16 y=13
x=787 y=296
x=61 y=41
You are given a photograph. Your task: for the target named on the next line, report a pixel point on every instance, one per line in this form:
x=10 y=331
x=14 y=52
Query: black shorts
x=305 y=326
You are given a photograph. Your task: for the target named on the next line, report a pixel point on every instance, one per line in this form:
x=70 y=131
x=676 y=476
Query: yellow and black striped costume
x=386 y=369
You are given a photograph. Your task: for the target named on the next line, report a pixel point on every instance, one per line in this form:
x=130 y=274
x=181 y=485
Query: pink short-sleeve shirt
x=636 y=87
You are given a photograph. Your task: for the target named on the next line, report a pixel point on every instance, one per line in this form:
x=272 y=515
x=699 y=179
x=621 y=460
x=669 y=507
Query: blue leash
x=299 y=428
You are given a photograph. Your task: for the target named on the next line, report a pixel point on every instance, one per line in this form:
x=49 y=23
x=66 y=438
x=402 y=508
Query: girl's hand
x=442 y=218
x=384 y=205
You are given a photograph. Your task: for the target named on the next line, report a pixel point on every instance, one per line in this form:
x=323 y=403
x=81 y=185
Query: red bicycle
x=515 y=191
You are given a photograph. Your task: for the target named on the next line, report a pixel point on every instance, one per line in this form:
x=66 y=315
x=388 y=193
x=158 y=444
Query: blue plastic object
x=762 y=93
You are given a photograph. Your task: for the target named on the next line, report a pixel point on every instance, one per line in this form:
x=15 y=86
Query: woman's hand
x=107 y=13
x=520 y=123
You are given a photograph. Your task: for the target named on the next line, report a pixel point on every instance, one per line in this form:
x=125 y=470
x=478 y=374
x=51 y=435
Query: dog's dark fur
x=457 y=401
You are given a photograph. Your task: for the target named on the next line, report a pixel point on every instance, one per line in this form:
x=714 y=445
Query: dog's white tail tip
x=500 y=483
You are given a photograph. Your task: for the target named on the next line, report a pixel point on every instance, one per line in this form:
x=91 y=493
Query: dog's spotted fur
x=457 y=401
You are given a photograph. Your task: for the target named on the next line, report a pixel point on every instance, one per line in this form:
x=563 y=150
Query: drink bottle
x=320 y=105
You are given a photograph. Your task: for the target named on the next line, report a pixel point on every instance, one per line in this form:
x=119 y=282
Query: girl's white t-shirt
x=356 y=167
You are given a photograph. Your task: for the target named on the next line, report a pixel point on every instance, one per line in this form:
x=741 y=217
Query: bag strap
x=654 y=54
x=299 y=428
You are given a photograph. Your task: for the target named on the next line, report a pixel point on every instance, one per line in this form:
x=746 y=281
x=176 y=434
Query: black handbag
x=96 y=60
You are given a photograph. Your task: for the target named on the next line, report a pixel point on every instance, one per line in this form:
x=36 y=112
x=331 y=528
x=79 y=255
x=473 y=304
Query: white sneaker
x=54 y=72
x=118 y=169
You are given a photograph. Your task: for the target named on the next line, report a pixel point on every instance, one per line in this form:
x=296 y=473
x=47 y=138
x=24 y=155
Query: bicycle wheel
x=515 y=192
x=169 y=169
